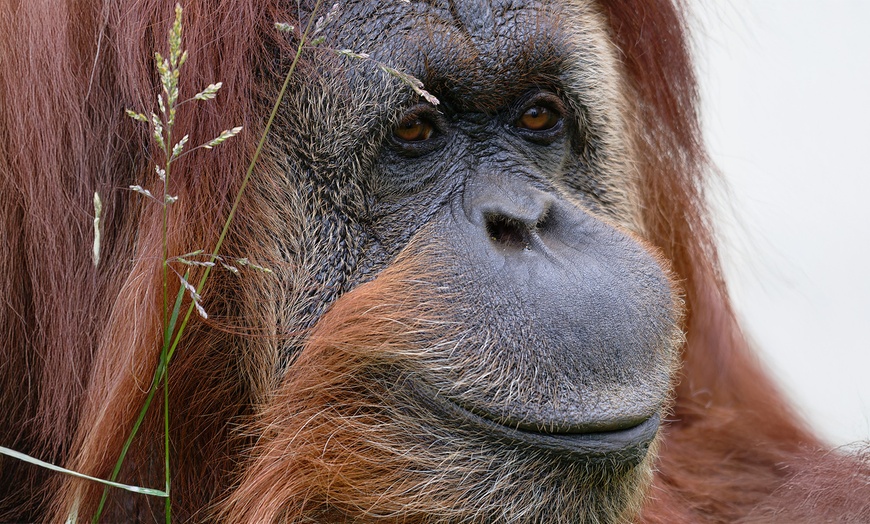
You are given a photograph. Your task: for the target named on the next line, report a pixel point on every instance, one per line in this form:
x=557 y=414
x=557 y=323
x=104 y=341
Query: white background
x=786 y=111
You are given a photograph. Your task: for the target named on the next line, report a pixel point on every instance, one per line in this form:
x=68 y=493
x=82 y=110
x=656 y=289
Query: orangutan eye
x=539 y=118
x=415 y=129
x=422 y=130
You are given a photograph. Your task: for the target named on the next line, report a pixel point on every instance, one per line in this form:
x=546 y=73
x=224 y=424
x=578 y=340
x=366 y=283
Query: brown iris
x=539 y=118
x=414 y=130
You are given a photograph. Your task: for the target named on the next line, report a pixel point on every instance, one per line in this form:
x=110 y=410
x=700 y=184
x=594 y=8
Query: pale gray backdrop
x=786 y=111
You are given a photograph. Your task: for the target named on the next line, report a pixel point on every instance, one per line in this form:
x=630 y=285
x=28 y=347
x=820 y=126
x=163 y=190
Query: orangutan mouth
x=625 y=444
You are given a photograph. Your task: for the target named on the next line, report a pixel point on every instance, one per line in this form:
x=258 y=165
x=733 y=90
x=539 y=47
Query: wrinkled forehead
x=488 y=51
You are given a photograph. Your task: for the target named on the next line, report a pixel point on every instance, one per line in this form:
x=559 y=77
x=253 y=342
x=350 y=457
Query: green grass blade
x=167 y=352
x=158 y=376
x=48 y=465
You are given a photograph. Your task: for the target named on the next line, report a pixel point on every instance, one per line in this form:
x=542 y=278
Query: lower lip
x=623 y=446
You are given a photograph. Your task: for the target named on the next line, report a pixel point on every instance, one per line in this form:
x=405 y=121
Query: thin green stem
x=250 y=170
x=167 y=351
x=260 y=145
x=158 y=376
x=168 y=511
x=127 y=443
x=167 y=328
x=167 y=152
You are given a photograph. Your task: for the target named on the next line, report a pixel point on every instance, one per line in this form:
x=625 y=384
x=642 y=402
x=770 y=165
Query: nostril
x=508 y=232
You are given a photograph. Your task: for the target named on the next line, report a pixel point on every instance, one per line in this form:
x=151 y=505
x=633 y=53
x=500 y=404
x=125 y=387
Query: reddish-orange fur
x=78 y=344
x=327 y=396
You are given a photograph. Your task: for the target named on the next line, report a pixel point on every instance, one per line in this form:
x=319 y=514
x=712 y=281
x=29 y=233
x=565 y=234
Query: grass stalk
x=247 y=177
x=171 y=320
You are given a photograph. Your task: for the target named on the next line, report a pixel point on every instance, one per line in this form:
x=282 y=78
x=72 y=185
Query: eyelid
x=424 y=113
x=544 y=99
